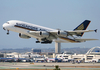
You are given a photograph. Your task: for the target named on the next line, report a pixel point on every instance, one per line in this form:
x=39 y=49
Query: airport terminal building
x=90 y=56
x=93 y=55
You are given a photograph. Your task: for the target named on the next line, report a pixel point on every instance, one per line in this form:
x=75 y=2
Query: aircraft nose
x=4 y=26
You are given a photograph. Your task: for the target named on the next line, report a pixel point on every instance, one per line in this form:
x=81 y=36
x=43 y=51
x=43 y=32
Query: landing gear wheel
x=7 y=32
x=37 y=41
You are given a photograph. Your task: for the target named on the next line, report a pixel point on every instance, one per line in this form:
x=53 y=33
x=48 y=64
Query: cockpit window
x=7 y=22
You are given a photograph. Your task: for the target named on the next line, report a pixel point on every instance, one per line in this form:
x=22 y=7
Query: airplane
x=46 y=35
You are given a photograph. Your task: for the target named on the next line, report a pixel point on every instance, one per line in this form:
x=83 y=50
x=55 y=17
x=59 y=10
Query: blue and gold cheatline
x=28 y=27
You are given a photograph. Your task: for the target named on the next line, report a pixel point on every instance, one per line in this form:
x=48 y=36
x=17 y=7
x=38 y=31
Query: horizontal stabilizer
x=80 y=31
x=83 y=40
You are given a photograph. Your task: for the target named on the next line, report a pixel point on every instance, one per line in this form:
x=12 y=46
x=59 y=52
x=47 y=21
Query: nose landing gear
x=7 y=32
x=4 y=28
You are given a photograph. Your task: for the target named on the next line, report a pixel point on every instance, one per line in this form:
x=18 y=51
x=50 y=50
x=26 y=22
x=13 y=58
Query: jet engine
x=44 y=34
x=24 y=36
x=62 y=33
x=39 y=33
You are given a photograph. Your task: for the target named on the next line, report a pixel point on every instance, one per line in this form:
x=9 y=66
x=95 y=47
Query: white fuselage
x=44 y=34
x=24 y=27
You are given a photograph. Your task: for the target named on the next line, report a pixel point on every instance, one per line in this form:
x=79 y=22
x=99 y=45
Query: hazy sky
x=62 y=14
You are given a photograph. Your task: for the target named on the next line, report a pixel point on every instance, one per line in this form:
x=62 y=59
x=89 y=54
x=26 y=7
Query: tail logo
x=81 y=27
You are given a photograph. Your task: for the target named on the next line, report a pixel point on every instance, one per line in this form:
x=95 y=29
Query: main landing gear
x=44 y=42
x=37 y=41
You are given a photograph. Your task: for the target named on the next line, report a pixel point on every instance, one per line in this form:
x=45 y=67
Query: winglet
x=95 y=30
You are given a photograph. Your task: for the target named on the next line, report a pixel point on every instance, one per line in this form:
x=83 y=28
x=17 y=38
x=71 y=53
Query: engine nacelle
x=24 y=36
x=39 y=33
x=44 y=34
x=62 y=33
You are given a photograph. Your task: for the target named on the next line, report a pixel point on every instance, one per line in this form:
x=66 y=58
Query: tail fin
x=82 y=26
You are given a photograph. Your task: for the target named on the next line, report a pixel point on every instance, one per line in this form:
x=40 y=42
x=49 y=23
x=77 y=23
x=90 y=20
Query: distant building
x=1 y=54
x=36 y=50
x=90 y=56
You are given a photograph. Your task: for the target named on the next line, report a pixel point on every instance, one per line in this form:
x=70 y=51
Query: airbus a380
x=47 y=35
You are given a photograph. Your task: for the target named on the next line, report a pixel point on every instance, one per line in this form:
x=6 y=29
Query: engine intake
x=44 y=34
x=24 y=36
x=62 y=33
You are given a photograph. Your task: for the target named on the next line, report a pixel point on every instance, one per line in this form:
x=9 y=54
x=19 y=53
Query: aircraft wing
x=58 y=33
x=50 y=35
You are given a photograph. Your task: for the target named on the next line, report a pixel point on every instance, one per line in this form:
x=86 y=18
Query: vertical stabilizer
x=82 y=26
